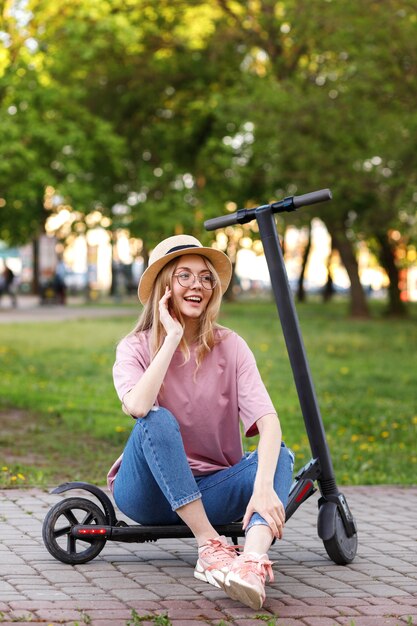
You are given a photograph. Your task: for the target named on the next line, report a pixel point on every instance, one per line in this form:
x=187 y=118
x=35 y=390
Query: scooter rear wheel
x=57 y=526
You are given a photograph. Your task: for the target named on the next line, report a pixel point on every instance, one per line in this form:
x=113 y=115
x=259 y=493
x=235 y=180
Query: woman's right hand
x=143 y=395
x=172 y=326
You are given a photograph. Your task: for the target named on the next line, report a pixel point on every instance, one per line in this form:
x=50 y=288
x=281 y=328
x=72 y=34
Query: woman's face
x=193 y=299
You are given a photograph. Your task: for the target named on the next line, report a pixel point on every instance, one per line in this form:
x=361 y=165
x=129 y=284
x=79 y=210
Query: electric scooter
x=76 y=529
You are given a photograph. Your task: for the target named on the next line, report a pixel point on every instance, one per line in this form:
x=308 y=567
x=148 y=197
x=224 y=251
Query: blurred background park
x=126 y=121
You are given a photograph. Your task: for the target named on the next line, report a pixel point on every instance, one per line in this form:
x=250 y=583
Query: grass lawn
x=60 y=418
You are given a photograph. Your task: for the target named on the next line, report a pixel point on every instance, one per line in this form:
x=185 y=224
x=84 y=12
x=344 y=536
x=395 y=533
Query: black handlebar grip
x=311 y=198
x=221 y=222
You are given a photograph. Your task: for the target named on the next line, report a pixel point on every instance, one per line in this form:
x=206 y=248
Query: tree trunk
x=35 y=266
x=358 y=304
x=328 y=289
x=387 y=259
x=229 y=294
x=232 y=249
x=301 y=294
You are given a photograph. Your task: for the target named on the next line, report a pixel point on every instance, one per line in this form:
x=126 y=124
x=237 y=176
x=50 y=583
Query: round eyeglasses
x=186 y=279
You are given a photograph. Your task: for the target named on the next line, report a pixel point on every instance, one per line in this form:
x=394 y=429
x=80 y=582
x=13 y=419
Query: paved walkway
x=378 y=589
x=29 y=310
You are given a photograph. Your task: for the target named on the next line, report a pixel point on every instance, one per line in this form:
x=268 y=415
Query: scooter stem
x=296 y=351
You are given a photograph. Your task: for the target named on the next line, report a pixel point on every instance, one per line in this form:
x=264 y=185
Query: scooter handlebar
x=291 y=203
x=221 y=222
x=311 y=198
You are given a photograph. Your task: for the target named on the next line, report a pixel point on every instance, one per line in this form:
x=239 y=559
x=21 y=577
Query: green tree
x=48 y=138
x=173 y=110
x=326 y=97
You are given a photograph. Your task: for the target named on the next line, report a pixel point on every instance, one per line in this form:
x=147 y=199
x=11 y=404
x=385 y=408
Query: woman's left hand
x=269 y=506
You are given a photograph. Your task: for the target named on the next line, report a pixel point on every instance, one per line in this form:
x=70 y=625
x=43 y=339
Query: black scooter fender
x=326 y=522
x=104 y=500
x=331 y=508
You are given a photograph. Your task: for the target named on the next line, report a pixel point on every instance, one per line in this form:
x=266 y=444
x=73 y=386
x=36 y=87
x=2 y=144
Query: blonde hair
x=149 y=318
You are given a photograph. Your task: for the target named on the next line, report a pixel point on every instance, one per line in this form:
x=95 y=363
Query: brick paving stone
x=238 y=611
x=293 y=601
x=36 y=594
x=144 y=606
x=347 y=575
x=19 y=616
x=324 y=583
x=9 y=596
x=64 y=614
x=300 y=590
x=188 y=613
x=105 y=622
x=186 y=622
x=370 y=621
x=409 y=616
x=202 y=603
x=30 y=623
x=246 y=622
x=24 y=569
x=409 y=589
x=112 y=582
x=289 y=622
x=386 y=609
x=318 y=621
x=109 y=622
x=338 y=602
x=216 y=596
x=184 y=604
x=30 y=605
x=354 y=592
x=156 y=579
x=172 y=590
x=64 y=576
x=395 y=601
x=178 y=569
x=129 y=595
x=406 y=600
x=300 y=612
x=137 y=568
x=380 y=589
x=117 y=615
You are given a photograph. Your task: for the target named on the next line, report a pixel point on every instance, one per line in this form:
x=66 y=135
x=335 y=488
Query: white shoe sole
x=208 y=576
x=238 y=590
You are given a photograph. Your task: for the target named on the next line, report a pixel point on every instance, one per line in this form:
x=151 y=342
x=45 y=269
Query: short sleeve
x=132 y=359
x=253 y=398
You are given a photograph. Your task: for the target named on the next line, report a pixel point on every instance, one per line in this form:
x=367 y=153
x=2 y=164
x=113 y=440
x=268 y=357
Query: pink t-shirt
x=208 y=405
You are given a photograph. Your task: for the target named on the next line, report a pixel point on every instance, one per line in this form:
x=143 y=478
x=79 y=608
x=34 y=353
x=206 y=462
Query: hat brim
x=219 y=260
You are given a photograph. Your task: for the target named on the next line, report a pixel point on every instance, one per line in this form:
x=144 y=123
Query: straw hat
x=177 y=246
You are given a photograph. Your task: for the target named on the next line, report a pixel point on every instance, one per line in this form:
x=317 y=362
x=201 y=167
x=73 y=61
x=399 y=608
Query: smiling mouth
x=196 y=299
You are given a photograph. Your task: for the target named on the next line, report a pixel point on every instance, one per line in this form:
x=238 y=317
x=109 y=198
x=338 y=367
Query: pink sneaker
x=246 y=579
x=215 y=558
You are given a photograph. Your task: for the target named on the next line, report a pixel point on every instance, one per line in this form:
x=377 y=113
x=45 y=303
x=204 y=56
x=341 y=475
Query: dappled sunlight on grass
x=364 y=375
x=60 y=377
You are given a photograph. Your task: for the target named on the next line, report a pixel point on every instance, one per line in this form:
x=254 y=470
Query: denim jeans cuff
x=187 y=500
x=256 y=520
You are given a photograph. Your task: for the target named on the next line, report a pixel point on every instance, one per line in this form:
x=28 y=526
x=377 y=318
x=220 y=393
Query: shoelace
x=215 y=545
x=262 y=568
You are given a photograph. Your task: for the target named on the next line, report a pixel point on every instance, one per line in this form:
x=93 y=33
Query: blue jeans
x=155 y=478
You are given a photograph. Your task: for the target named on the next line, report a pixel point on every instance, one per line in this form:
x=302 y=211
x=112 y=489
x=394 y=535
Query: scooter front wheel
x=339 y=546
x=57 y=526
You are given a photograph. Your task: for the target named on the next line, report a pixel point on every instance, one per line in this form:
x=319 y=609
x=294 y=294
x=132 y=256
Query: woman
x=188 y=381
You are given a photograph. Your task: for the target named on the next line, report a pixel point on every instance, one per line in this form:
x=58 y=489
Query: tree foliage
x=174 y=109
x=49 y=137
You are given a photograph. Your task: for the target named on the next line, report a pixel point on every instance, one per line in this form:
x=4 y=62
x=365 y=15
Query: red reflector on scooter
x=92 y=531
x=304 y=491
